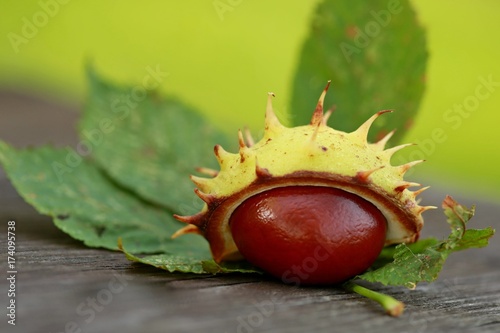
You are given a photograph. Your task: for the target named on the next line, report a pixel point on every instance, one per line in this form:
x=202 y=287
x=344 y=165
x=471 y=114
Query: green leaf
x=196 y=263
x=375 y=54
x=474 y=238
x=148 y=144
x=410 y=267
x=387 y=254
x=85 y=204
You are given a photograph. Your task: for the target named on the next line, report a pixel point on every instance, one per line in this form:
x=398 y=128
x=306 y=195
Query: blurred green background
x=222 y=57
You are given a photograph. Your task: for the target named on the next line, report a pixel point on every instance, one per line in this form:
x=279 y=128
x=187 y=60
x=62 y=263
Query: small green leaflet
x=387 y=255
x=413 y=263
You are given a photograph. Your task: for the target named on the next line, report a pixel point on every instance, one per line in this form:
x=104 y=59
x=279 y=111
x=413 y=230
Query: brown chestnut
x=309 y=234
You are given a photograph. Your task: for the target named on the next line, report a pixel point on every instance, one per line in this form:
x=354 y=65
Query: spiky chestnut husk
x=314 y=155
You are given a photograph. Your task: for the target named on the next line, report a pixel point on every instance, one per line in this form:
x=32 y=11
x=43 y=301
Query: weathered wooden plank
x=58 y=277
x=63 y=286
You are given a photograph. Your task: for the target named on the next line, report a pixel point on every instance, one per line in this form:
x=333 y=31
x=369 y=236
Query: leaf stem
x=392 y=306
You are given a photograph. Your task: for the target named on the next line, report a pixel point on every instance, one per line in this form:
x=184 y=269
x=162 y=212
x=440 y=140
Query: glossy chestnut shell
x=309 y=234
